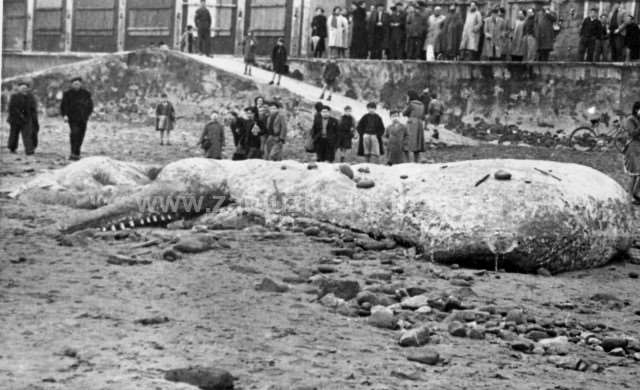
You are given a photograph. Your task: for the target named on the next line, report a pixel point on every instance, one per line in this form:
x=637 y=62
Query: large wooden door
x=149 y=22
x=95 y=25
x=269 y=20
x=223 y=23
x=48 y=25
x=14 y=27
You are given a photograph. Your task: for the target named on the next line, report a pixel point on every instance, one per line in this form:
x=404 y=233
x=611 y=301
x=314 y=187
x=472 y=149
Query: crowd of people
x=260 y=131
x=418 y=31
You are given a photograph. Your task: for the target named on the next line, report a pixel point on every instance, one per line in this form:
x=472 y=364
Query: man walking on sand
x=76 y=108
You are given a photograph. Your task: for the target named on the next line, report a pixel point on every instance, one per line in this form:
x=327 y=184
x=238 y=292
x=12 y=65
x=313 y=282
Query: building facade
x=116 y=25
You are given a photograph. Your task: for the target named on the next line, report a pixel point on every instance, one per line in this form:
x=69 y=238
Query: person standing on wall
x=470 y=43
x=545 y=35
x=359 y=38
x=23 y=119
x=494 y=30
x=203 y=24
x=451 y=34
x=76 y=108
x=337 y=25
x=517 y=46
x=436 y=19
x=378 y=32
x=616 y=19
x=589 y=34
x=318 y=33
x=602 y=53
x=529 y=37
x=279 y=61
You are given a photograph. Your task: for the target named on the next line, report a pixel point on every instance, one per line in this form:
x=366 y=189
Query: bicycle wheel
x=621 y=140
x=583 y=138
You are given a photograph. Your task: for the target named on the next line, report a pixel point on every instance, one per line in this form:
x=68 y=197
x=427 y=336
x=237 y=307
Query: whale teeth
x=161 y=217
x=148 y=220
x=169 y=217
x=132 y=224
x=154 y=218
x=113 y=228
x=141 y=221
x=122 y=227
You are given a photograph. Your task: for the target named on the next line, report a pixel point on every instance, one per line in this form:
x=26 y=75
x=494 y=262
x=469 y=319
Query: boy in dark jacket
x=330 y=75
x=324 y=134
x=279 y=61
x=346 y=131
x=370 y=129
x=23 y=119
x=76 y=108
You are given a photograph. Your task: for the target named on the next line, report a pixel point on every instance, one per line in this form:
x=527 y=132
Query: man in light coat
x=494 y=30
x=471 y=33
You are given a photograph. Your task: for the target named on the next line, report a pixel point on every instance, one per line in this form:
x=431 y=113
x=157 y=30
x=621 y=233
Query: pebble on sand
x=269 y=285
x=415 y=337
x=205 y=378
x=382 y=317
x=425 y=357
x=365 y=183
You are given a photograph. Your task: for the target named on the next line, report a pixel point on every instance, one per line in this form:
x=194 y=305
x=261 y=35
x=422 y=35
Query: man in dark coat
x=589 y=33
x=76 y=108
x=318 y=33
x=378 y=32
x=396 y=34
x=359 y=33
x=451 y=34
x=203 y=24
x=616 y=20
x=279 y=61
x=324 y=134
x=545 y=35
x=23 y=119
x=415 y=33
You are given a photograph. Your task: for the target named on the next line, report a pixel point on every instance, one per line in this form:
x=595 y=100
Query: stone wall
x=542 y=97
x=126 y=88
x=15 y=63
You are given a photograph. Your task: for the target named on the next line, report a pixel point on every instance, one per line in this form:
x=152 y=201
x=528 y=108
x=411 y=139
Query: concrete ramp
x=311 y=93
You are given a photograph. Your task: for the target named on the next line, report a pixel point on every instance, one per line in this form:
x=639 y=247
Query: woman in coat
x=338 y=27
x=632 y=152
x=396 y=137
x=212 y=138
x=517 y=42
x=415 y=128
x=471 y=30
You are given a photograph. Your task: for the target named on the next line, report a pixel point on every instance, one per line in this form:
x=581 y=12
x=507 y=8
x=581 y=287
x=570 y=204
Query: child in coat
x=249 y=48
x=346 y=132
x=279 y=61
x=165 y=118
x=330 y=75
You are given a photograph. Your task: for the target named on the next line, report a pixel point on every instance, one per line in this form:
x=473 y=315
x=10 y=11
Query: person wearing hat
x=324 y=134
x=76 y=108
x=396 y=137
x=370 y=131
x=378 y=32
x=470 y=43
x=212 y=138
x=23 y=119
x=494 y=32
x=451 y=35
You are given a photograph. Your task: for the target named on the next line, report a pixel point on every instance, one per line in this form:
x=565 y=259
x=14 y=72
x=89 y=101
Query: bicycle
x=599 y=134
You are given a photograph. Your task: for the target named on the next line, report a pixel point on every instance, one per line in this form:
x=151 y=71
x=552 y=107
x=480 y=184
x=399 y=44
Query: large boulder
x=552 y=215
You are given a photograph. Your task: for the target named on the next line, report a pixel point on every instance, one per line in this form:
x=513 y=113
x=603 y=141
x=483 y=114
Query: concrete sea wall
x=541 y=97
